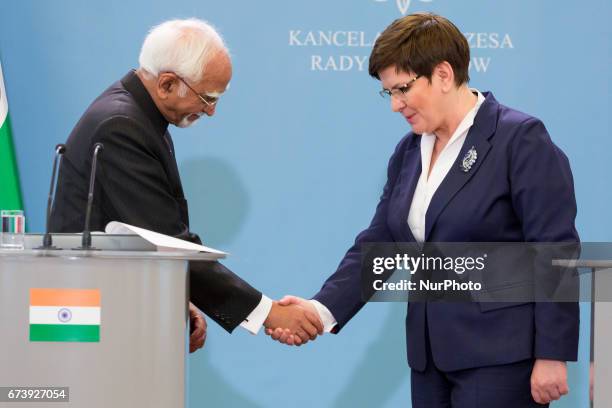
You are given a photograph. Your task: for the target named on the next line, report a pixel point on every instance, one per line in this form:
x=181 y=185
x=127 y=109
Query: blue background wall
x=291 y=167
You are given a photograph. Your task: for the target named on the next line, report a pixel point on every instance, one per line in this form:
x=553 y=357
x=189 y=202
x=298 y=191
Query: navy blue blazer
x=520 y=189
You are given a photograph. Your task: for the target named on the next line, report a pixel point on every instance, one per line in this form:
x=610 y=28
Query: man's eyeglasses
x=207 y=100
x=399 y=91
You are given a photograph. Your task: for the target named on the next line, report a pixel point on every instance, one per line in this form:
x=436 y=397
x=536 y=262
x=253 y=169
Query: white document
x=161 y=241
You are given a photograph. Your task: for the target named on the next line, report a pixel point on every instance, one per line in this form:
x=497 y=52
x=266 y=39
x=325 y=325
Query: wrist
x=268 y=322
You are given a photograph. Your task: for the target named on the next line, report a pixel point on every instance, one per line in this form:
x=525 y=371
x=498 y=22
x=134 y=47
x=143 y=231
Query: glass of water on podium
x=13 y=229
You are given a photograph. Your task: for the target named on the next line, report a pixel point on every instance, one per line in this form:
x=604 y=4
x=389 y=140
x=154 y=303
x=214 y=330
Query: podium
x=601 y=326
x=601 y=331
x=120 y=339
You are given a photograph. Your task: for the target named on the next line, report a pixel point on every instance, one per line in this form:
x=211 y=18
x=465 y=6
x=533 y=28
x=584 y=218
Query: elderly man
x=184 y=69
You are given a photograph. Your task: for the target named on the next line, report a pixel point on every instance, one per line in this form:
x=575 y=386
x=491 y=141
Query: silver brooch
x=469 y=159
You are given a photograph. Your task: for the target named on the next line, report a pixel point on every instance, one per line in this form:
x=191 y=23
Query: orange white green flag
x=64 y=314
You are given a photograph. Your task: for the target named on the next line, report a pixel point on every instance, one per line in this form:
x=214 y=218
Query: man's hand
x=198 y=328
x=295 y=321
x=285 y=336
x=548 y=380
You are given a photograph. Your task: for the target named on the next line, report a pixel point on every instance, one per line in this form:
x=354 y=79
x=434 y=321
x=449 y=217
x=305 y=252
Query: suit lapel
x=412 y=171
x=174 y=175
x=478 y=137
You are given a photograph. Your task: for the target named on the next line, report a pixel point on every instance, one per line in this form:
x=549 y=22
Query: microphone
x=60 y=149
x=86 y=239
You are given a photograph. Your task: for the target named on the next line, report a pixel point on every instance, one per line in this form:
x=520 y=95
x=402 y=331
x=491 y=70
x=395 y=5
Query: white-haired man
x=184 y=68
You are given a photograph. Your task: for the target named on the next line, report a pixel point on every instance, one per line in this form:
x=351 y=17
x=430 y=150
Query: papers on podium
x=161 y=241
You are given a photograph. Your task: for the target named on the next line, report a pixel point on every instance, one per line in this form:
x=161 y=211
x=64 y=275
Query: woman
x=471 y=170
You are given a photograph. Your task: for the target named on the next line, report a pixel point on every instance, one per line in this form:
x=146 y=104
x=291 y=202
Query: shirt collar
x=134 y=85
x=468 y=119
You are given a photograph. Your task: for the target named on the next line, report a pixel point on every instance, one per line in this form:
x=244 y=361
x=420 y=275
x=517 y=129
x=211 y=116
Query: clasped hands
x=293 y=321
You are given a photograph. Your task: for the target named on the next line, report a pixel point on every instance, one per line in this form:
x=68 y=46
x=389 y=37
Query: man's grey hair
x=180 y=46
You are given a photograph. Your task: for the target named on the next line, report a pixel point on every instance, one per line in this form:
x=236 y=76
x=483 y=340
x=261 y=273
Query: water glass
x=13 y=229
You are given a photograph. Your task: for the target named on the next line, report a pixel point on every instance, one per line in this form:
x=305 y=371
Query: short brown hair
x=417 y=43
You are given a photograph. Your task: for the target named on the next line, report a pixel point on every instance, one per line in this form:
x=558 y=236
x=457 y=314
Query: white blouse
x=427 y=186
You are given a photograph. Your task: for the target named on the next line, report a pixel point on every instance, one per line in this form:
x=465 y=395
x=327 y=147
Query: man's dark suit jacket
x=520 y=189
x=138 y=183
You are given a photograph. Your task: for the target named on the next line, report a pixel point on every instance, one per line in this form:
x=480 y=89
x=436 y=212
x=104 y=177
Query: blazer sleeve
x=221 y=294
x=341 y=292
x=543 y=198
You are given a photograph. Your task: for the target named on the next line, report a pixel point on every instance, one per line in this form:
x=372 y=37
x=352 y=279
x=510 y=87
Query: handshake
x=293 y=321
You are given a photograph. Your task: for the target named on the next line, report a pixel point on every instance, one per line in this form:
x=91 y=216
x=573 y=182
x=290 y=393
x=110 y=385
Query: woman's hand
x=548 y=380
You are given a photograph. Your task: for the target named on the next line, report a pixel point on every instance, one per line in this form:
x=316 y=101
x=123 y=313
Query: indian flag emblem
x=65 y=315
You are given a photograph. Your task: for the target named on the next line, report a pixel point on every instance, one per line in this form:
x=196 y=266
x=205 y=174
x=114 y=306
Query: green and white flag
x=10 y=196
